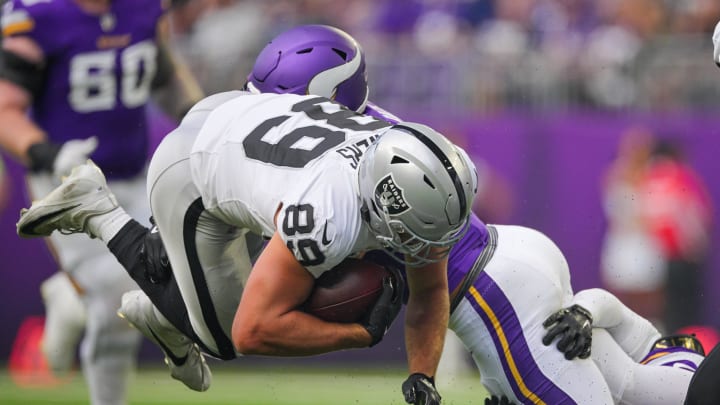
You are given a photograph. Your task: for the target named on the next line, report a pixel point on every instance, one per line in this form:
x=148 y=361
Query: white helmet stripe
x=325 y=83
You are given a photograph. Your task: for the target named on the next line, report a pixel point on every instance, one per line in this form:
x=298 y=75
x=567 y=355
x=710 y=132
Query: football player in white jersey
x=625 y=343
x=241 y=168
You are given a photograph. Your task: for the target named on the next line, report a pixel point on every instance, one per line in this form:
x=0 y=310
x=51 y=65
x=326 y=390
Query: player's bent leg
x=500 y=321
x=110 y=345
x=634 y=383
x=65 y=319
x=183 y=357
x=635 y=334
x=108 y=353
x=209 y=258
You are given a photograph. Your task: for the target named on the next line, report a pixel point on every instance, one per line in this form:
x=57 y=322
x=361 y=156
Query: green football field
x=256 y=386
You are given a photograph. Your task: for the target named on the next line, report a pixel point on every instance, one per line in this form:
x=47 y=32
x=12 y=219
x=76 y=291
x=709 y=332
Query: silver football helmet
x=417 y=190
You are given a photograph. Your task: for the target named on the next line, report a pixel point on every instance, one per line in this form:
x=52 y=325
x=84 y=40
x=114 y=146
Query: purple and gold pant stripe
x=528 y=382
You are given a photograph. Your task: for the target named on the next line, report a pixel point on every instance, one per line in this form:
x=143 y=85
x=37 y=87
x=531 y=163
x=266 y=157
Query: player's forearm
x=189 y=88
x=18 y=133
x=175 y=88
x=297 y=334
x=426 y=320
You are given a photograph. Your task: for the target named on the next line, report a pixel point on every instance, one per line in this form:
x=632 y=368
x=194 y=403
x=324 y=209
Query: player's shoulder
x=25 y=16
x=213 y=101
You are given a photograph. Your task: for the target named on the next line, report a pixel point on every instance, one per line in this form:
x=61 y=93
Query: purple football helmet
x=313 y=59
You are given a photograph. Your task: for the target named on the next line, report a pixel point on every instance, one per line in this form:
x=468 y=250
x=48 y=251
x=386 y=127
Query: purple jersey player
x=75 y=78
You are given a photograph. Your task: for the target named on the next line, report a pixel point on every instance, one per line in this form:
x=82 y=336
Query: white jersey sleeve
x=287 y=163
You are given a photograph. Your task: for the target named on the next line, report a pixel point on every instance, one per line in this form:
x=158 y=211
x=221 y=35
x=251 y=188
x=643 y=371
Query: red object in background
x=677 y=208
x=27 y=366
x=707 y=335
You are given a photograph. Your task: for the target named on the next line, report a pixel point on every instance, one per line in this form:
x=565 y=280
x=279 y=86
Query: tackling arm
x=426 y=320
x=268 y=321
x=176 y=89
x=17 y=131
x=426 y=316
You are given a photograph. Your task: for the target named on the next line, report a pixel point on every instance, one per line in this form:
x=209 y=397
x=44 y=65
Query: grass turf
x=253 y=386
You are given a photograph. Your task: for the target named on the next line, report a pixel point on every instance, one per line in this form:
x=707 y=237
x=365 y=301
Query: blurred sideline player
x=75 y=78
x=304 y=60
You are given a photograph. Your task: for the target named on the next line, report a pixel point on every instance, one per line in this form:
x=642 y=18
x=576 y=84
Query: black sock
x=126 y=246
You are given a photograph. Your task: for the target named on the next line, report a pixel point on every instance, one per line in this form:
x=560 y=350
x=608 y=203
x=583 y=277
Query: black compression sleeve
x=26 y=74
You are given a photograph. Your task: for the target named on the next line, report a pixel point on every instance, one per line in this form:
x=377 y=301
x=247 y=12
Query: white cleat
x=65 y=319
x=191 y=368
x=82 y=195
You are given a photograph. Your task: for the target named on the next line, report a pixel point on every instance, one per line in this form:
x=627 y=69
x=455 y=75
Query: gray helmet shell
x=417 y=190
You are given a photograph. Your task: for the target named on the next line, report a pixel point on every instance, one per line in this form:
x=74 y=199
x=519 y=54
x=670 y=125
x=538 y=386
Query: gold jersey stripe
x=18 y=27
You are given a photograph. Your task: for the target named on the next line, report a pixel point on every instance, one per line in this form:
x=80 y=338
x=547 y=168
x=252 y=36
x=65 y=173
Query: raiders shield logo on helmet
x=390 y=196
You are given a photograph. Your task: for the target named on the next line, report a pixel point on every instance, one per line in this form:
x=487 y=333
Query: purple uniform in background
x=96 y=81
x=96 y=73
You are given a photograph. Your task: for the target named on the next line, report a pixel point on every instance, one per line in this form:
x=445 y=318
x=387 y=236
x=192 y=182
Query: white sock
x=106 y=226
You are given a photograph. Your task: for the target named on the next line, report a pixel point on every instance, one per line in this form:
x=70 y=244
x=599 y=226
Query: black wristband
x=42 y=156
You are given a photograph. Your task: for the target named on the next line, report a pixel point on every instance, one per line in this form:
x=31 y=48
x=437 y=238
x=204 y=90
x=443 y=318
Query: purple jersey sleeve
x=98 y=74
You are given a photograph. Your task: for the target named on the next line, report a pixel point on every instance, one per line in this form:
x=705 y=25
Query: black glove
x=386 y=308
x=153 y=254
x=419 y=389
x=574 y=327
x=493 y=400
x=42 y=156
x=58 y=159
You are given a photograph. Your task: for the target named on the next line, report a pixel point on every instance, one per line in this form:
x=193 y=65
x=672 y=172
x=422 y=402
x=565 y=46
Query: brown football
x=345 y=293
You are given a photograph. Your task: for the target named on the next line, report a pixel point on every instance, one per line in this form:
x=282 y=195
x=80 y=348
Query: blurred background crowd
x=574 y=110
x=482 y=54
